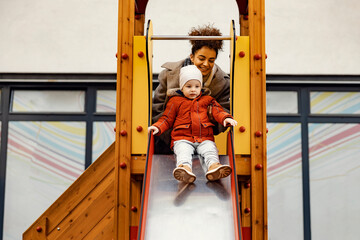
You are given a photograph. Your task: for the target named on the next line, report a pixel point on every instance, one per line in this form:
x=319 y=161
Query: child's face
x=191 y=89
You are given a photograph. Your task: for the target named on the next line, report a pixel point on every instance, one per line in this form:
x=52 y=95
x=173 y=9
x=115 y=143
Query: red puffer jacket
x=189 y=118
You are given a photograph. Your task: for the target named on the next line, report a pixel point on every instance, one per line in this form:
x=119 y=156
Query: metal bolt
x=258 y=166
x=257 y=56
x=141 y=54
x=123 y=165
x=123 y=133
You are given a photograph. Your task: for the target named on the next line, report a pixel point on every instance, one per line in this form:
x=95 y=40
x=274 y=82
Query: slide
x=200 y=210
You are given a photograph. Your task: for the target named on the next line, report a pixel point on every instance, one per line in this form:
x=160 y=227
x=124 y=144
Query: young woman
x=203 y=56
x=186 y=113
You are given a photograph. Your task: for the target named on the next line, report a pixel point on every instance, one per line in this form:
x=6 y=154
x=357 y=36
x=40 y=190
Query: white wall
x=178 y=17
x=76 y=36
x=80 y=36
x=313 y=37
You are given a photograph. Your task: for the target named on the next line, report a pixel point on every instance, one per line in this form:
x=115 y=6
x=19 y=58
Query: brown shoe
x=217 y=171
x=183 y=173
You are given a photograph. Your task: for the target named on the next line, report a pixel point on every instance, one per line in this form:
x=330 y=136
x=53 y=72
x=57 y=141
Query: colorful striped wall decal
x=103 y=137
x=284 y=148
x=43 y=160
x=106 y=101
x=335 y=102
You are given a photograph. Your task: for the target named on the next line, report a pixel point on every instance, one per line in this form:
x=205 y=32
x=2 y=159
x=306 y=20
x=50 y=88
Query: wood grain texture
x=258 y=119
x=104 y=229
x=123 y=119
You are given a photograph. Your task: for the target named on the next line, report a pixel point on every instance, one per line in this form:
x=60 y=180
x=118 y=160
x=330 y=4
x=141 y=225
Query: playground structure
x=105 y=201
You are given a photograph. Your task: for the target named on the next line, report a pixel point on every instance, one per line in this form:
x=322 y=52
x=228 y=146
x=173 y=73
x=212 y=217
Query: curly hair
x=205 y=30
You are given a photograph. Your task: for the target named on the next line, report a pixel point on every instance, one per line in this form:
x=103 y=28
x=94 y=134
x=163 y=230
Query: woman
x=203 y=56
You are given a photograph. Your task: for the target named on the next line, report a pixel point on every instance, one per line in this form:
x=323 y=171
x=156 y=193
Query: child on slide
x=186 y=113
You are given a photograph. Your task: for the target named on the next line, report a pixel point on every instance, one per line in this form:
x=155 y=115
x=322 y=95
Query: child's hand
x=230 y=121
x=155 y=129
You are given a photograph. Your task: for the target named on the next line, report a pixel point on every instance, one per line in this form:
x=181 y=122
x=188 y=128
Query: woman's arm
x=222 y=92
x=160 y=97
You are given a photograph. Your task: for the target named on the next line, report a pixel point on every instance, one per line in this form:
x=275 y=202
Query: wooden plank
x=245 y=204
x=85 y=217
x=243 y=165
x=104 y=229
x=138 y=164
x=135 y=202
x=39 y=232
x=76 y=192
x=123 y=119
x=139 y=25
x=244 y=26
x=76 y=215
x=258 y=119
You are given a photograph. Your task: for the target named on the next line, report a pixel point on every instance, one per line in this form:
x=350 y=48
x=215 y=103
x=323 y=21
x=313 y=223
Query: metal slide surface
x=201 y=210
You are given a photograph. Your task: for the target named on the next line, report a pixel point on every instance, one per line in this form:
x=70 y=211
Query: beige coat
x=219 y=89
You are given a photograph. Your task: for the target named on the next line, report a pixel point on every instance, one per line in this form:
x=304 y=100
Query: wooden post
x=258 y=119
x=123 y=119
x=245 y=213
x=139 y=25
x=135 y=207
x=244 y=25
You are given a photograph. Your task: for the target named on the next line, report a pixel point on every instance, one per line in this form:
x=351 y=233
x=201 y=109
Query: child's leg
x=215 y=170
x=209 y=153
x=184 y=151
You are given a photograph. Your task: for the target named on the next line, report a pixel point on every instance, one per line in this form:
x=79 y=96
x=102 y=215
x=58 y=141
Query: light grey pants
x=207 y=151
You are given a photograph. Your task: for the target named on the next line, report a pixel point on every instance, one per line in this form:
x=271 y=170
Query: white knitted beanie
x=190 y=72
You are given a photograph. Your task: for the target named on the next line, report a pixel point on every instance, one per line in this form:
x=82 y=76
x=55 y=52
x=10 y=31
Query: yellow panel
x=140 y=97
x=242 y=96
x=221 y=141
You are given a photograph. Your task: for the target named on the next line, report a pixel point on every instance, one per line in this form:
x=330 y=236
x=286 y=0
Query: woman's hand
x=229 y=121
x=154 y=129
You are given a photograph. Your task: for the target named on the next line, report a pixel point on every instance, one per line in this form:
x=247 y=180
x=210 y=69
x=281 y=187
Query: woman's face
x=204 y=59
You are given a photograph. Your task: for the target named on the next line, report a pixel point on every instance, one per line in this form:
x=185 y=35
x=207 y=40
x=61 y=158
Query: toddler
x=186 y=113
